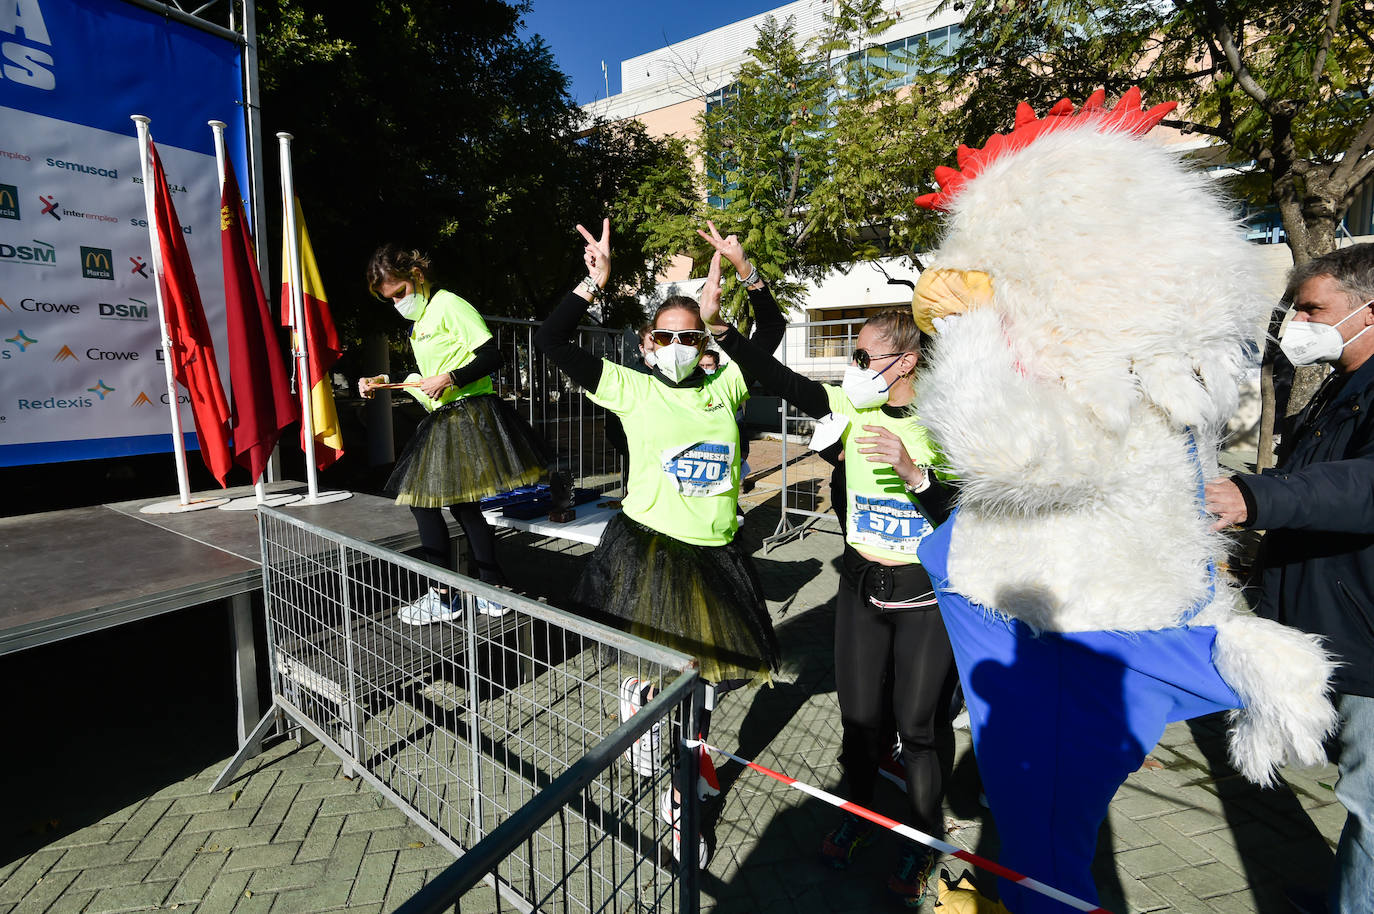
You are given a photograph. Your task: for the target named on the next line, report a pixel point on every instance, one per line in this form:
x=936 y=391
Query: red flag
x=258 y=380
x=192 y=351
x=324 y=343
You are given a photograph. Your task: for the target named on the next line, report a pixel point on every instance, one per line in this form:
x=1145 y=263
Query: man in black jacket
x=1316 y=563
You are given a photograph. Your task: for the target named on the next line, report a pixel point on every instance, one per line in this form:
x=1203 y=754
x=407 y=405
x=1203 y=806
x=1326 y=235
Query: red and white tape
x=907 y=831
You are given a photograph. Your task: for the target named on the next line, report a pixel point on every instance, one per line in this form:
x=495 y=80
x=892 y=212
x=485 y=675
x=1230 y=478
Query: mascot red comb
x=1094 y=307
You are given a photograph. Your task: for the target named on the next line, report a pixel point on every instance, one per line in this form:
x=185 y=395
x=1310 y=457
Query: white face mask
x=1308 y=342
x=412 y=306
x=647 y=355
x=864 y=387
x=676 y=360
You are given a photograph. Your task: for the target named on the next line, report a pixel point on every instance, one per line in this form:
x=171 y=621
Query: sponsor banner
x=81 y=373
x=80 y=353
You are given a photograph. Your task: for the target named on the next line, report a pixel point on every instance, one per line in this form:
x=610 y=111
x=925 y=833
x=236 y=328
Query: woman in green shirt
x=891 y=648
x=471 y=444
x=667 y=567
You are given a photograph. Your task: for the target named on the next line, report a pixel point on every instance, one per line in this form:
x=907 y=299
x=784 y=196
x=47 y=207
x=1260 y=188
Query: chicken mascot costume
x=1094 y=307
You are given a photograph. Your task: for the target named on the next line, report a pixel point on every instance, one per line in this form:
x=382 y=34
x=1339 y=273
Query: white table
x=588 y=526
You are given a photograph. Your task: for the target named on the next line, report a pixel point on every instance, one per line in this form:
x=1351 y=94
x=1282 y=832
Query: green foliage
x=811 y=158
x=447 y=131
x=1280 y=83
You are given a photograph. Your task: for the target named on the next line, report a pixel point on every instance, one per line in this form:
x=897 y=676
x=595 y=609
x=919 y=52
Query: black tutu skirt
x=705 y=601
x=465 y=451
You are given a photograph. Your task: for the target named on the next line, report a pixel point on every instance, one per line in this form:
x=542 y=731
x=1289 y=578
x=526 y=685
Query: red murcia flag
x=192 y=351
x=258 y=381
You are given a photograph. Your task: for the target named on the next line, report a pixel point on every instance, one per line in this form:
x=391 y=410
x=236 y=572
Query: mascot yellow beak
x=940 y=293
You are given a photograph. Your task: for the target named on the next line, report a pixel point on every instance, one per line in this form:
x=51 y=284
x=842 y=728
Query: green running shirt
x=883 y=519
x=444 y=338
x=684 y=450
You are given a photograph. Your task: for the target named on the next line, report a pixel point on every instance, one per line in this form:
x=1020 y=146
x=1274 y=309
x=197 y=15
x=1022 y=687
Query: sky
x=583 y=33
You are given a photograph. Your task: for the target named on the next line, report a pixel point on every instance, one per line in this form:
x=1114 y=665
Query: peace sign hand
x=597 y=254
x=727 y=247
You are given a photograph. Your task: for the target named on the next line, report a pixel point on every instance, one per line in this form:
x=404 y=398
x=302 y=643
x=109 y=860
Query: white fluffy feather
x=1126 y=308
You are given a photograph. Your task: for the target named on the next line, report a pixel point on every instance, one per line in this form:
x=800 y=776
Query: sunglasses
x=862 y=358
x=686 y=337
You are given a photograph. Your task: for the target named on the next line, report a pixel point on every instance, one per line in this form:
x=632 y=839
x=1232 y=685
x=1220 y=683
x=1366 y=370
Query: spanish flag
x=324 y=344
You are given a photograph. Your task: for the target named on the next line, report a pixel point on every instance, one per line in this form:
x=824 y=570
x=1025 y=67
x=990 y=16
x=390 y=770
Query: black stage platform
x=71 y=572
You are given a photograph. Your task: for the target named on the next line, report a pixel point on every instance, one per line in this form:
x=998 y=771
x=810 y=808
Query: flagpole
x=293 y=255
x=178 y=442
x=217 y=127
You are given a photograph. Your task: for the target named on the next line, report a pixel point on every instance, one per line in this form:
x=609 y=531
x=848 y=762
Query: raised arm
x=755 y=362
x=769 y=324
x=555 y=336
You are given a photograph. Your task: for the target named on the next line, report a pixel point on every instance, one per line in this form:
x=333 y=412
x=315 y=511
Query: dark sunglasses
x=686 y=337
x=862 y=358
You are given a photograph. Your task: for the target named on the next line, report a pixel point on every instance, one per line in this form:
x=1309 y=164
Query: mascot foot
x=840 y=846
x=963 y=898
x=908 y=883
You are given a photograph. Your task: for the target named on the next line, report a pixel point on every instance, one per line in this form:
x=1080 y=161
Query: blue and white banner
x=81 y=374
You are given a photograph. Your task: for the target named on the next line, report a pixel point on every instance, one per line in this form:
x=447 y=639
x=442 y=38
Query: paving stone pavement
x=293 y=836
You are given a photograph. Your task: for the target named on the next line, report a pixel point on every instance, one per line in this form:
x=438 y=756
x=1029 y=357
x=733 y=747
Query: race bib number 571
x=702 y=468
x=889 y=523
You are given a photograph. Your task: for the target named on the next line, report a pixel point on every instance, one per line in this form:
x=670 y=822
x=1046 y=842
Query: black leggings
x=899 y=657
x=481 y=539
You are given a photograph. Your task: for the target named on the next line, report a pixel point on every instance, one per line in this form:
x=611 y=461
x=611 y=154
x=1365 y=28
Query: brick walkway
x=291 y=835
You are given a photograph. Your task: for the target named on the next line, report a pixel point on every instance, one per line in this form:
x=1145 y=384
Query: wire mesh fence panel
x=465 y=705
x=583 y=436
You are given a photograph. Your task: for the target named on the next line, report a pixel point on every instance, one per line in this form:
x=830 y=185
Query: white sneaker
x=428 y=609
x=643 y=755
x=490 y=607
x=670 y=812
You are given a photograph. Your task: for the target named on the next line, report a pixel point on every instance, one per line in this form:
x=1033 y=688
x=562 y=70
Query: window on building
x=831 y=331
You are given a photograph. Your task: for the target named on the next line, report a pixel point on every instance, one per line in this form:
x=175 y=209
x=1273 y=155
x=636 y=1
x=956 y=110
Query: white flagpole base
x=176 y=507
x=250 y=502
x=321 y=498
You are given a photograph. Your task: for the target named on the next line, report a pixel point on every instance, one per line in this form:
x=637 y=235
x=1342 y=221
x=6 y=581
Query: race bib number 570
x=702 y=468
x=889 y=523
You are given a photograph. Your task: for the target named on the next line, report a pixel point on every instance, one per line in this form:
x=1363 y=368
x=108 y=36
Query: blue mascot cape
x=1060 y=720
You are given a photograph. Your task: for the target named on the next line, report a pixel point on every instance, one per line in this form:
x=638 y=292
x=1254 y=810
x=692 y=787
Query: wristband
x=589 y=286
x=453 y=382
x=753 y=278
x=924 y=484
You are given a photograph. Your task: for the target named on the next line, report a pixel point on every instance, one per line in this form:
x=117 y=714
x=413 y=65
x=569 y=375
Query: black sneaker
x=839 y=847
x=909 y=882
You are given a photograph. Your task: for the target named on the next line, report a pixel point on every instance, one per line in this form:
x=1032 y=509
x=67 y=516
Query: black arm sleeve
x=776 y=378
x=486 y=359
x=554 y=338
x=937 y=501
x=769 y=324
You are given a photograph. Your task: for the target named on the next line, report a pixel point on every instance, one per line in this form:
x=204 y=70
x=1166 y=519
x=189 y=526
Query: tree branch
x=1195 y=127
x=1333 y=15
x=1228 y=46
x=1355 y=152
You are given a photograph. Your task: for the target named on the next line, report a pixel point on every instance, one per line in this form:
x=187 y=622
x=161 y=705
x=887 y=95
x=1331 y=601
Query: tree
x=813 y=157
x=1281 y=86
x=449 y=132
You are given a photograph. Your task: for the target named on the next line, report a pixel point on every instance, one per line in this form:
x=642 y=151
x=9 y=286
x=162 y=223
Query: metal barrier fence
x=496 y=727
x=575 y=427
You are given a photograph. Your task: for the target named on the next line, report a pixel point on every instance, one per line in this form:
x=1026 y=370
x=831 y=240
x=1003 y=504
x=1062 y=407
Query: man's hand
x=1222 y=497
x=596 y=255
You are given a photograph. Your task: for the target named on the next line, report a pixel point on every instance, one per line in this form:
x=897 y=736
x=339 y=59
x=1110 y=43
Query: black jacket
x=1316 y=562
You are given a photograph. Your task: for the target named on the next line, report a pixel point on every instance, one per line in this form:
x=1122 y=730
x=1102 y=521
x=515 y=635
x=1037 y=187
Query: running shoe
x=670 y=811
x=430 y=608
x=490 y=607
x=643 y=755
x=909 y=882
x=892 y=767
x=840 y=846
